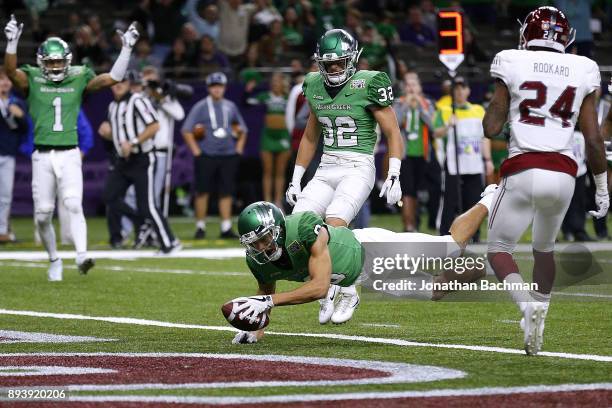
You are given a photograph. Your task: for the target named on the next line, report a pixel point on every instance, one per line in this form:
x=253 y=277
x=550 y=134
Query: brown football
x=228 y=310
x=199 y=131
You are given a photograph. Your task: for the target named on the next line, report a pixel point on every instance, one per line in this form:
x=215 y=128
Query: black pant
x=575 y=218
x=137 y=170
x=471 y=187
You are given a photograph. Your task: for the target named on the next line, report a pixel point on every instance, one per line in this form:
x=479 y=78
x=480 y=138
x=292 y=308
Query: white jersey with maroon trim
x=546 y=90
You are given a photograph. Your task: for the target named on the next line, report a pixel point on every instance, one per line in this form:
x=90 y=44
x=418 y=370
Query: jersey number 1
x=57 y=108
x=562 y=108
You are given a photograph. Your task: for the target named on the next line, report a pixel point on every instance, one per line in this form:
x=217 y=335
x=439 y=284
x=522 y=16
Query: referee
x=133 y=123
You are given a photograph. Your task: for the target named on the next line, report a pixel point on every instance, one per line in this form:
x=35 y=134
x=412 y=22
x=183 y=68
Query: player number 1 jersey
x=546 y=91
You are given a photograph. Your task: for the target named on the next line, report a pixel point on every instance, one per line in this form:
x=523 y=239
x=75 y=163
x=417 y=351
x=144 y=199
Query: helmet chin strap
x=277 y=254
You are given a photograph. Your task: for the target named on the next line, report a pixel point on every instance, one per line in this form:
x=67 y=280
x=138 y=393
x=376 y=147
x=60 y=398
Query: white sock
x=201 y=224
x=47 y=237
x=349 y=290
x=520 y=297
x=226 y=225
x=78 y=226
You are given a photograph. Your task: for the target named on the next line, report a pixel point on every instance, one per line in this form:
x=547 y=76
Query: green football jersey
x=301 y=232
x=54 y=107
x=346 y=121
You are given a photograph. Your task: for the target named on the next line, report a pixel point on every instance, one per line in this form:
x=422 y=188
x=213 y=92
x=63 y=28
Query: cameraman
x=163 y=95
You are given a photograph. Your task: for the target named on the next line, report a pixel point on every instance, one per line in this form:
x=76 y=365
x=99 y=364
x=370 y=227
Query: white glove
x=244 y=337
x=392 y=186
x=130 y=37
x=295 y=188
x=12 y=30
x=602 y=198
x=292 y=193
x=253 y=306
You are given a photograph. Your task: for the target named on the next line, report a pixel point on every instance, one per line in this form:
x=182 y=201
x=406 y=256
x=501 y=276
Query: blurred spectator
x=578 y=13
x=387 y=29
x=97 y=32
x=142 y=15
x=415 y=114
x=209 y=59
x=430 y=17
x=248 y=69
x=353 y=23
x=234 y=22
x=415 y=31
x=275 y=140
x=272 y=45
x=167 y=21
x=328 y=15
x=292 y=29
x=142 y=56
x=13 y=128
x=374 y=49
x=204 y=17
x=191 y=39
x=88 y=51
x=178 y=64
x=265 y=14
x=445 y=99
x=216 y=153
x=473 y=52
x=74 y=22
x=474 y=155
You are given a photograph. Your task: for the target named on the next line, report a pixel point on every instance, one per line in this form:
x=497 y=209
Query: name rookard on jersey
x=550 y=68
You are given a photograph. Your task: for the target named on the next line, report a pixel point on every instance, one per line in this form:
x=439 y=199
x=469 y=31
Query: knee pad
x=73 y=205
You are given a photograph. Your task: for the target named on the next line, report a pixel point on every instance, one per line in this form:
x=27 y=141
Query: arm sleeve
x=84 y=132
x=291 y=105
x=308 y=228
x=173 y=108
x=379 y=90
x=145 y=110
x=500 y=68
x=592 y=77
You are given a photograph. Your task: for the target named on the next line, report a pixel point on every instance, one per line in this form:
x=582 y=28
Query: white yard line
x=394 y=326
x=361 y=339
x=269 y=399
x=221 y=253
x=44 y=265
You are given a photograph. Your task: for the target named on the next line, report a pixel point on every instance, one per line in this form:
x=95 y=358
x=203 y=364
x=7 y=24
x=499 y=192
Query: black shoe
x=199 y=234
x=583 y=237
x=175 y=247
x=85 y=266
x=229 y=234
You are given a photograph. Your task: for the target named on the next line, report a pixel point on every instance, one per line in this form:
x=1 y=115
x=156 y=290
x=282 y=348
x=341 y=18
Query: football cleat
x=199 y=234
x=55 y=271
x=326 y=305
x=174 y=248
x=86 y=265
x=532 y=323
x=345 y=308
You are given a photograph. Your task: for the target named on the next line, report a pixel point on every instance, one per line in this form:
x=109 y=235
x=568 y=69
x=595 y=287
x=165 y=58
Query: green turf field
x=191 y=291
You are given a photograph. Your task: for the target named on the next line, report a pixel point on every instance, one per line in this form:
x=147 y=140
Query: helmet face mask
x=336 y=49
x=546 y=27
x=261 y=229
x=54 y=58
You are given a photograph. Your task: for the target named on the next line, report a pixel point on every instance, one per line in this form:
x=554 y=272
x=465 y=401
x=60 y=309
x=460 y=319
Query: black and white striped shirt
x=128 y=118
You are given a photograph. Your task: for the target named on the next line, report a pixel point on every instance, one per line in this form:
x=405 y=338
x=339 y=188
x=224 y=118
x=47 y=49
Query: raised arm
x=17 y=76
x=117 y=72
x=497 y=111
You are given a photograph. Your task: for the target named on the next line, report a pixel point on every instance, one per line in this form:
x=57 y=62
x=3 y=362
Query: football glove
x=392 y=187
x=130 y=37
x=12 y=30
x=244 y=337
x=602 y=198
x=292 y=193
x=253 y=306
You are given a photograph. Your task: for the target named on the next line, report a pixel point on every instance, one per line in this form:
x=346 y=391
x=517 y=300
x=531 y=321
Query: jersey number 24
x=562 y=108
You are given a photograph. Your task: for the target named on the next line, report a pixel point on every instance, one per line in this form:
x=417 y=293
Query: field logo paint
x=11 y=336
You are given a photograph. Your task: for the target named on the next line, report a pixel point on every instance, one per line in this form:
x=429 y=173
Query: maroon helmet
x=546 y=27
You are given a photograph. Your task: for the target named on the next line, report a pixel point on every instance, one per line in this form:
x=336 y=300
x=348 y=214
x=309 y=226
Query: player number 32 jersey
x=546 y=91
x=346 y=120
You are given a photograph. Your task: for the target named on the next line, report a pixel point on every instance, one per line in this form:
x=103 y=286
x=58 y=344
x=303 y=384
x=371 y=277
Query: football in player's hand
x=233 y=317
x=199 y=131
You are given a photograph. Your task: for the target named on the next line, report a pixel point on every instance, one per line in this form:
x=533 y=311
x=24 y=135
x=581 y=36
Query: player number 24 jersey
x=546 y=91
